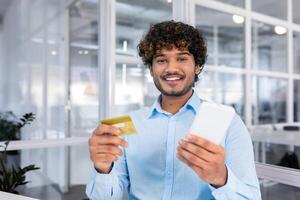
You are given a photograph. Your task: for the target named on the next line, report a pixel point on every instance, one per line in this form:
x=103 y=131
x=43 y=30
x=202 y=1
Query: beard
x=174 y=93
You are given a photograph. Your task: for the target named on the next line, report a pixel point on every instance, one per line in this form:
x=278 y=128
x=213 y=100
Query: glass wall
x=296 y=13
x=226 y=48
x=34 y=73
x=279 y=8
x=225 y=37
x=83 y=51
x=297 y=100
x=296 y=39
x=269 y=99
x=269 y=47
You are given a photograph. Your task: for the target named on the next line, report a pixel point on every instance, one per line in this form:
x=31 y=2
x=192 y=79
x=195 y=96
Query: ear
x=198 y=69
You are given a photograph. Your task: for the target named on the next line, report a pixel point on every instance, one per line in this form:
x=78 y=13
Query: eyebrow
x=179 y=54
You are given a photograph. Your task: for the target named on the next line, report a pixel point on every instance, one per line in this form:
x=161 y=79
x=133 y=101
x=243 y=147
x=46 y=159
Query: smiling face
x=173 y=71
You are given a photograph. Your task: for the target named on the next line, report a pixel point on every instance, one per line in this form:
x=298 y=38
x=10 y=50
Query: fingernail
x=189 y=137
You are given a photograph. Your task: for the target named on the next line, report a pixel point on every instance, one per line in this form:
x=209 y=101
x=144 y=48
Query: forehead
x=172 y=51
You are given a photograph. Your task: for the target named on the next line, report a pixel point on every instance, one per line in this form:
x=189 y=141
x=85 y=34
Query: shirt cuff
x=106 y=182
x=230 y=186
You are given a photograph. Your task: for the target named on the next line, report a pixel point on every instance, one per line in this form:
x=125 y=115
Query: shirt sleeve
x=242 y=182
x=109 y=186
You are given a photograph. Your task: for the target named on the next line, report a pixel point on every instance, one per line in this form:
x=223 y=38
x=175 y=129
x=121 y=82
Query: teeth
x=172 y=78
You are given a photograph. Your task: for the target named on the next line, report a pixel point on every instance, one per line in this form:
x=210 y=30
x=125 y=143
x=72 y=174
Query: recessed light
x=238 y=19
x=280 y=30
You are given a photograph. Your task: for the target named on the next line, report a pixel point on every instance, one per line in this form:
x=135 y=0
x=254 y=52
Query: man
x=164 y=160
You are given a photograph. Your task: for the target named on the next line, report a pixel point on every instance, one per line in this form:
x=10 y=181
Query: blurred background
x=74 y=62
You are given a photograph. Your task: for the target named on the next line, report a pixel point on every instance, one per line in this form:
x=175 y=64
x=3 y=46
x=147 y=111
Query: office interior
x=74 y=62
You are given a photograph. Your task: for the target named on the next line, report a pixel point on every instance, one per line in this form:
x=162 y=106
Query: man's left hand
x=205 y=158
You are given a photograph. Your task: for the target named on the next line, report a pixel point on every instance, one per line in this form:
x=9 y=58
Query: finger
x=106 y=129
x=206 y=144
x=192 y=158
x=196 y=150
x=195 y=168
x=183 y=159
x=104 y=158
x=111 y=149
x=107 y=139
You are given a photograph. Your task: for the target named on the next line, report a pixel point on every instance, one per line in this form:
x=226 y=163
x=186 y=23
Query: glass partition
x=269 y=98
x=83 y=67
x=296 y=39
x=225 y=37
x=279 y=8
x=269 y=47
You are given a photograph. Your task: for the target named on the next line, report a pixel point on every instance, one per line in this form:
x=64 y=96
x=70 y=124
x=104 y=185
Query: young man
x=164 y=160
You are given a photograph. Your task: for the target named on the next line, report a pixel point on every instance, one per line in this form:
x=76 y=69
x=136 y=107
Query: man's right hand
x=104 y=147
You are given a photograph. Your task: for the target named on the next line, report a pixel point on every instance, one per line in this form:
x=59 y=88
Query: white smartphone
x=212 y=121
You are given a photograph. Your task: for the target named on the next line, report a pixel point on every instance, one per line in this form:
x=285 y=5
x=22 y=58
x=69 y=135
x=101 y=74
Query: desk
x=291 y=138
x=10 y=196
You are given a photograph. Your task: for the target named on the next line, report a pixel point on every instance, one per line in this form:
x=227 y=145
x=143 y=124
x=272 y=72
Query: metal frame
x=106 y=58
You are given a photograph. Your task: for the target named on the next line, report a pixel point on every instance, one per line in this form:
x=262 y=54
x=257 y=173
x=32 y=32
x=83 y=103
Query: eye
x=182 y=59
x=161 y=60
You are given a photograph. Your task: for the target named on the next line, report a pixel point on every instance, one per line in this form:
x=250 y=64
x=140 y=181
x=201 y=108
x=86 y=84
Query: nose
x=172 y=66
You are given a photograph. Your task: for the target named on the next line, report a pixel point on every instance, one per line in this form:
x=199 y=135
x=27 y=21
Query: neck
x=172 y=104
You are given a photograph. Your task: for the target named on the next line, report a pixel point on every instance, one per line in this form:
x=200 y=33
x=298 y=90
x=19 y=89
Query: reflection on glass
x=296 y=100
x=223 y=88
x=269 y=98
x=296 y=52
x=269 y=48
x=274 y=8
x=83 y=62
x=239 y=3
x=134 y=18
x=133 y=88
x=225 y=37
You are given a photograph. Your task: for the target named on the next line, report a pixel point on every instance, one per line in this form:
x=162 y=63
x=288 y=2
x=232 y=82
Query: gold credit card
x=124 y=123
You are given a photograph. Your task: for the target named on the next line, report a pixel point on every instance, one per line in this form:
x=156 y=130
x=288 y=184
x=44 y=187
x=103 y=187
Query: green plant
x=10 y=126
x=10 y=176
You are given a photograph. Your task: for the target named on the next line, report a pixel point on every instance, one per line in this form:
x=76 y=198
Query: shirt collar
x=192 y=104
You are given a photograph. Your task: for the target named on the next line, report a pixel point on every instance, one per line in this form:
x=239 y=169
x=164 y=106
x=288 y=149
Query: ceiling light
x=238 y=19
x=86 y=52
x=280 y=30
x=80 y=52
x=169 y=1
x=53 y=53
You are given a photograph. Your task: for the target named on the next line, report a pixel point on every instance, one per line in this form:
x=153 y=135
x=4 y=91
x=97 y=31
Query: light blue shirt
x=150 y=170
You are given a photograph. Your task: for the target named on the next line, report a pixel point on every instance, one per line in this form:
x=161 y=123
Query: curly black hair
x=168 y=34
